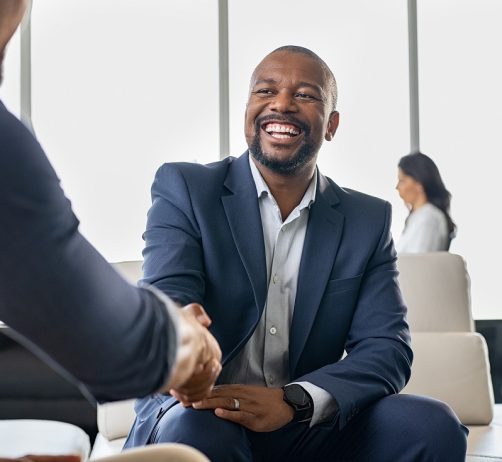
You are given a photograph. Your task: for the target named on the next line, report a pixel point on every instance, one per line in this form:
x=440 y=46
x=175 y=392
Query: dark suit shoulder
x=353 y=199
x=17 y=142
x=193 y=171
x=203 y=178
x=14 y=136
x=358 y=197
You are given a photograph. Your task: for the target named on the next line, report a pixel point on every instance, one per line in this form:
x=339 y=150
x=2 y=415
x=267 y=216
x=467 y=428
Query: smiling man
x=293 y=270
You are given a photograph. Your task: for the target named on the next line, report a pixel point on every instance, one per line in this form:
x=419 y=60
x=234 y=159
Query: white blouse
x=426 y=230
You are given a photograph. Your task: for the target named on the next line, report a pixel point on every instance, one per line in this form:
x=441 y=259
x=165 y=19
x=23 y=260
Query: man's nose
x=284 y=102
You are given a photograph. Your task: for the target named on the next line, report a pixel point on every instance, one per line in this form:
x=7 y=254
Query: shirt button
x=275 y=279
x=273 y=330
x=270 y=379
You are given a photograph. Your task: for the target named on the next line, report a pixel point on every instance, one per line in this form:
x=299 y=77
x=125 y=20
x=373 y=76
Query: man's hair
x=330 y=78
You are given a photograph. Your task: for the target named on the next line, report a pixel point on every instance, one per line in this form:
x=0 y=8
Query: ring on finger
x=237 y=404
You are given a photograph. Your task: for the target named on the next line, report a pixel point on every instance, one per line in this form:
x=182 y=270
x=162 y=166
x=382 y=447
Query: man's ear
x=334 y=119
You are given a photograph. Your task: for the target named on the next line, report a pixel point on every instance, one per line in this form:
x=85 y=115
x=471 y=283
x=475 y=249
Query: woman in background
x=429 y=227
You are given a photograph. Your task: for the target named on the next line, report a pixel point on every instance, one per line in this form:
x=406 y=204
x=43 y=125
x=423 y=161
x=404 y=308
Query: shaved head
x=328 y=74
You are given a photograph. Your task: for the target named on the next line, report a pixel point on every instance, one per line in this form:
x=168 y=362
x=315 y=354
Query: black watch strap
x=298 y=398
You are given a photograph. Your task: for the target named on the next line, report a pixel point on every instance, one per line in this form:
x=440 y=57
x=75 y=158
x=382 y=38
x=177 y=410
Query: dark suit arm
x=378 y=361
x=63 y=300
x=173 y=259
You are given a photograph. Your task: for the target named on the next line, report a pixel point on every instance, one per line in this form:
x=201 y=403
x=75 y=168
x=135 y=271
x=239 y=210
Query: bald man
x=294 y=272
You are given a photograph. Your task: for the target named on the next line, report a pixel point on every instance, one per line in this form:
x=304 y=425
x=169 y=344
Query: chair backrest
x=451 y=361
x=131 y=270
x=436 y=289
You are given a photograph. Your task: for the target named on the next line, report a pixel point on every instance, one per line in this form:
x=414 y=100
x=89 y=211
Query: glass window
x=120 y=87
x=461 y=117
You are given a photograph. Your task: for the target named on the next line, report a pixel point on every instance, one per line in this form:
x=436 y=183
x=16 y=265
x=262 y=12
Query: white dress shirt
x=264 y=360
x=426 y=230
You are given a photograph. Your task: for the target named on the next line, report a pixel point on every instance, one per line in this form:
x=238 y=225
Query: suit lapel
x=322 y=239
x=243 y=215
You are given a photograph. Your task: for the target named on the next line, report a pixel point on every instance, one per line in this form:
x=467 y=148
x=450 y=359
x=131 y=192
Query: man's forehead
x=285 y=62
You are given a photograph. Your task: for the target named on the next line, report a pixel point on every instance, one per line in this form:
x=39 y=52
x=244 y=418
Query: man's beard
x=290 y=166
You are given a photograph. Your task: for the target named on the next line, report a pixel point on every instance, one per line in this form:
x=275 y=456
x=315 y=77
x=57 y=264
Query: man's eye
x=263 y=91
x=305 y=96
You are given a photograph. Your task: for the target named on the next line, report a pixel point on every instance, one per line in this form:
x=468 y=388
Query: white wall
x=120 y=87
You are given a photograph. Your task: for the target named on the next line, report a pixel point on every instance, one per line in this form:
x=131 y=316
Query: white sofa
x=451 y=360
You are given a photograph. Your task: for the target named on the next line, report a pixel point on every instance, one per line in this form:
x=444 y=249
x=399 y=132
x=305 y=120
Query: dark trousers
x=397 y=428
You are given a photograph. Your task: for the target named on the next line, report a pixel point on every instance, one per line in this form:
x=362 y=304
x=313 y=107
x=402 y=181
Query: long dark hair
x=423 y=169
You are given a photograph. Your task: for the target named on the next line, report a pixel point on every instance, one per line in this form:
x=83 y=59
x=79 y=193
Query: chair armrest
x=115 y=419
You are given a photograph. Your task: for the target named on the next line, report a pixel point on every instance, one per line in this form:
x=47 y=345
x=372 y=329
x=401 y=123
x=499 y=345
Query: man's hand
x=198 y=361
x=261 y=409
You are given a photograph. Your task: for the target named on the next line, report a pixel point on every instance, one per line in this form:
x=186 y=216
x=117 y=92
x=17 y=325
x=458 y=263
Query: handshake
x=198 y=359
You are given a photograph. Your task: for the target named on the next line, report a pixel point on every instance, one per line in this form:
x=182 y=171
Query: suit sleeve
x=378 y=361
x=59 y=295
x=173 y=259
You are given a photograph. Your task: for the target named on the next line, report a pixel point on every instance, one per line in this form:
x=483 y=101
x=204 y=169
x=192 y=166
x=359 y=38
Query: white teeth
x=278 y=128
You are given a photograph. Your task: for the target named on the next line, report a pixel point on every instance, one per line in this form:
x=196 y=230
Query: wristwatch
x=296 y=396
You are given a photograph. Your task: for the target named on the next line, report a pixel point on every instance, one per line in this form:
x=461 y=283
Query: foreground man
x=66 y=303
x=293 y=270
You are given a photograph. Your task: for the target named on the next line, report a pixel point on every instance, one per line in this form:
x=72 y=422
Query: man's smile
x=276 y=130
x=281 y=130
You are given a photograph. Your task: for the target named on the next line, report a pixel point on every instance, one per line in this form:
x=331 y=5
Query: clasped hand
x=198 y=361
x=197 y=367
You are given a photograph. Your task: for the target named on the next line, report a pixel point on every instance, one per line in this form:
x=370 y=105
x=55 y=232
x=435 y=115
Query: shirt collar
x=263 y=189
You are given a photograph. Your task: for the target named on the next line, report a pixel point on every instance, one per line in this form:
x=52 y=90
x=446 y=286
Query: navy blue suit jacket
x=204 y=243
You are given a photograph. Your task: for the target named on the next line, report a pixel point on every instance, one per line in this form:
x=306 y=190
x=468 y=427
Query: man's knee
x=442 y=429
x=218 y=439
x=426 y=428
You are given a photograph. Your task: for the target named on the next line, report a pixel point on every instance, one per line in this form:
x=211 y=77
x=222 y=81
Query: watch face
x=300 y=401
x=296 y=394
